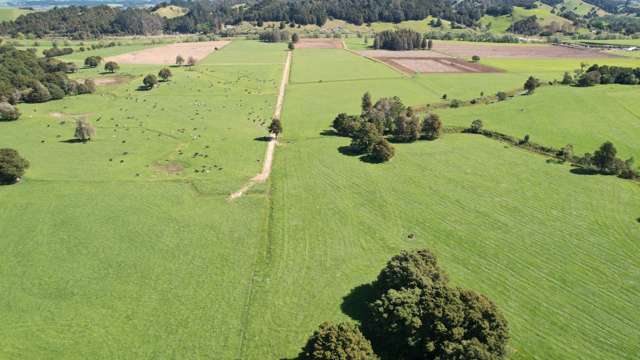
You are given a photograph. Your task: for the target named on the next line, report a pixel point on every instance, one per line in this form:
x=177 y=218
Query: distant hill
x=171 y=11
x=8 y=14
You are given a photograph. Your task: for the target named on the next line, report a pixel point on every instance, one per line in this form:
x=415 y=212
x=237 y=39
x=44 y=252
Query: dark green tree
x=295 y=38
x=382 y=151
x=12 y=166
x=416 y=314
x=275 y=127
x=432 y=126
x=367 y=104
x=179 y=60
x=531 y=84
x=407 y=128
x=150 y=81
x=365 y=137
x=111 y=66
x=165 y=74
x=39 y=93
x=501 y=95
x=604 y=158
x=92 y=61
x=342 y=341
x=476 y=126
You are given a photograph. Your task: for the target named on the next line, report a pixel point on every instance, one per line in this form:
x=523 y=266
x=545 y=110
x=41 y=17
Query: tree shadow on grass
x=329 y=132
x=73 y=141
x=263 y=138
x=355 y=304
x=583 y=171
x=369 y=159
x=349 y=151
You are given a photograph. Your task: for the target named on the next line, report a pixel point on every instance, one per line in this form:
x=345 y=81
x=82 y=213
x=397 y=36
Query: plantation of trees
x=403 y=39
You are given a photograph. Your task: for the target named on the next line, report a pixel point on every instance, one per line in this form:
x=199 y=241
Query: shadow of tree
x=263 y=138
x=329 y=132
x=583 y=171
x=74 y=141
x=349 y=151
x=355 y=304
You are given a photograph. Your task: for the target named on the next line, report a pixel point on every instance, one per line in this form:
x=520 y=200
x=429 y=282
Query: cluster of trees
x=26 y=78
x=181 y=61
x=12 y=166
x=604 y=74
x=415 y=313
x=150 y=81
x=56 y=51
x=403 y=39
x=619 y=24
x=83 y=22
x=275 y=36
x=472 y=36
x=606 y=162
x=526 y=26
x=387 y=117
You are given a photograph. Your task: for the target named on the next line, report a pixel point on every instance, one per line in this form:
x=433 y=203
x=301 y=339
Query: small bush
x=12 y=166
x=8 y=112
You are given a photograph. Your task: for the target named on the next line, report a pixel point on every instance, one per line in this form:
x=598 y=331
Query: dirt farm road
x=268 y=155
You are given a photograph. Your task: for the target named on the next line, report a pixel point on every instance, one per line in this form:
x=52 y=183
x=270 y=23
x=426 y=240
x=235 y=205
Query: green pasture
x=126 y=258
x=111 y=254
x=560 y=115
x=549 y=69
x=552 y=248
x=500 y=24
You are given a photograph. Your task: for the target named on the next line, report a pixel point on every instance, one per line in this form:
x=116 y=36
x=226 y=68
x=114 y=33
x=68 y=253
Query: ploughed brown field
x=166 y=55
x=436 y=65
x=467 y=50
x=319 y=44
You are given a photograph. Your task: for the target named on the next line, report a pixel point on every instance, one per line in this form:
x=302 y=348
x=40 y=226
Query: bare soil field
x=435 y=65
x=319 y=44
x=166 y=55
x=467 y=50
x=415 y=54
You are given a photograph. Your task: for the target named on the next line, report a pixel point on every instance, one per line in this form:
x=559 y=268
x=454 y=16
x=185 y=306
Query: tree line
x=26 y=78
x=209 y=16
x=605 y=74
x=403 y=39
x=82 y=22
x=412 y=312
x=387 y=118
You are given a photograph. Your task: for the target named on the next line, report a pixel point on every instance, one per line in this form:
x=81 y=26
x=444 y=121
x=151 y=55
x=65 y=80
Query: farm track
x=268 y=156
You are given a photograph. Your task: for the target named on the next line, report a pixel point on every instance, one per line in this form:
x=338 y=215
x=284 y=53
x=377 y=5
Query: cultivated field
x=319 y=44
x=166 y=55
x=138 y=252
x=484 y=50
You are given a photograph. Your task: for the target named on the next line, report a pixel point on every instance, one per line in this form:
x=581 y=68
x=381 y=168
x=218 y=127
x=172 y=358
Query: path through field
x=268 y=156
